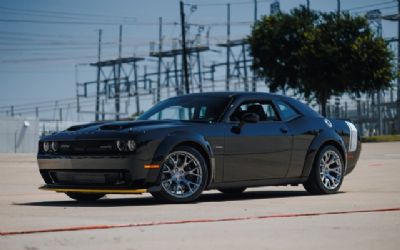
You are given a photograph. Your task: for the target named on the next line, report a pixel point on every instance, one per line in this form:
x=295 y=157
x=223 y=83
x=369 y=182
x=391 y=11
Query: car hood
x=136 y=125
x=114 y=129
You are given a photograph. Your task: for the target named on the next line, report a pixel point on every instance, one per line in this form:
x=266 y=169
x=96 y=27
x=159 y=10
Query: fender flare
x=326 y=137
x=176 y=138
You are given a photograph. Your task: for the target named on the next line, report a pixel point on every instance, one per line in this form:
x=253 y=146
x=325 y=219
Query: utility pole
x=228 y=47
x=337 y=99
x=308 y=4
x=60 y=114
x=178 y=87
x=160 y=41
x=398 y=67
x=199 y=71
x=184 y=50
x=98 y=78
x=118 y=78
x=246 y=83
x=253 y=79
x=103 y=113
x=255 y=11
x=379 y=92
x=136 y=88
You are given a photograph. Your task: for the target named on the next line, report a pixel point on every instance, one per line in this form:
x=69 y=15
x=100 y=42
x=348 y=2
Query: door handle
x=284 y=130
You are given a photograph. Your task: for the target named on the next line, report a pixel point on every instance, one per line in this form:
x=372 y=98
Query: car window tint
x=264 y=110
x=203 y=113
x=286 y=111
x=188 y=108
x=173 y=113
x=269 y=111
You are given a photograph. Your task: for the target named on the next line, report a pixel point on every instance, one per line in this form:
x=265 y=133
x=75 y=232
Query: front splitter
x=94 y=190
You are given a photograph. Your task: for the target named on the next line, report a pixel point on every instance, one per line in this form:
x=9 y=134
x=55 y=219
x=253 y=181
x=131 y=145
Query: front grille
x=88 y=147
x=86 y=178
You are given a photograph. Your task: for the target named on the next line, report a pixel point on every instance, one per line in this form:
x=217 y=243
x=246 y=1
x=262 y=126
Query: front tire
x=327 y=173
x=183 y=176
x=81 y=197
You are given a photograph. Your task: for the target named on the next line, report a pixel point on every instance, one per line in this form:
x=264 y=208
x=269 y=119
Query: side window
x=203 y=113
x=263 y=109
x=174 y=113
x=286 y=111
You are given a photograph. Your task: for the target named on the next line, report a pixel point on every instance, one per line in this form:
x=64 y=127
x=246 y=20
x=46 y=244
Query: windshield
x=188 y=108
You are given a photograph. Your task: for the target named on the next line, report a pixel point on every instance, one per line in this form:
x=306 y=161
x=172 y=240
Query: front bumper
x=104 y=172
x=352 y=158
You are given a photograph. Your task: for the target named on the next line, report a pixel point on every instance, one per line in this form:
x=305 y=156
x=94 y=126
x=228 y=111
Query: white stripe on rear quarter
x=353 y=137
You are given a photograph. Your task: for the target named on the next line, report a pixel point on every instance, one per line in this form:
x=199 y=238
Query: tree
x=320 y=54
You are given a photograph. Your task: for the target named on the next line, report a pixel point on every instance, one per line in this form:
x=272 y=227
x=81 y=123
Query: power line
x=385 y=8
x=369 y=5
x=18 y=42
x=26 y=34
x=65 y=13
x=38 y=103
x=48 y=48
x=238 y=23
x=44 y=59
x=62 y=22
x=83 y=23
x=33 y=15
x=224 y=4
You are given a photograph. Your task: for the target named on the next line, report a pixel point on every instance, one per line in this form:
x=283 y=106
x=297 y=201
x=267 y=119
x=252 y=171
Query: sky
x=42 y=41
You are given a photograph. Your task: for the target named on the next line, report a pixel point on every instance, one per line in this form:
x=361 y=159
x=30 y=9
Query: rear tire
x=183 y=176
x=327 y=172
x=82 y=197
x=232 y=190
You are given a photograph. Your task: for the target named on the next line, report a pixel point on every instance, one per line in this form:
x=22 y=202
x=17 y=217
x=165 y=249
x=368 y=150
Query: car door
x=260 y=150
x=303 y=135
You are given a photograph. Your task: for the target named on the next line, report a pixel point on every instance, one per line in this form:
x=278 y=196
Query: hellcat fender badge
x=327 y=122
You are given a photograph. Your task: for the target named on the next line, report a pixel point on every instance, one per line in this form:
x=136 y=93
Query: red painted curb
x=147 y=224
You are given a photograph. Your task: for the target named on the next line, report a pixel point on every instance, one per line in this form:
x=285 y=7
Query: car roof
x=234 y=94
x=301 y=107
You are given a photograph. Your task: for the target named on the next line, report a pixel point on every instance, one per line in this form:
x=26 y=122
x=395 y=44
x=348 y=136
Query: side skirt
x=258 y=183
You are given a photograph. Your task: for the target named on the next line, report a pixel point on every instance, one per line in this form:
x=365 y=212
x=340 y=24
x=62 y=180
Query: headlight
x=54 y=146
x=120 y=145
x=131 y=145
x=46 y=146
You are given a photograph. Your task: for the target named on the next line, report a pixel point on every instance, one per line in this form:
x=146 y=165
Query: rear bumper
x=96 y=171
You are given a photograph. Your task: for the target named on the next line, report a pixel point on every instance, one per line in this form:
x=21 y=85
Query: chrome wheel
x=330 y=170
x=181 y=174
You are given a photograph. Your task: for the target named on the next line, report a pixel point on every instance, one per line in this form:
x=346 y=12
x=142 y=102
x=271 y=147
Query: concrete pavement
x=257 y=219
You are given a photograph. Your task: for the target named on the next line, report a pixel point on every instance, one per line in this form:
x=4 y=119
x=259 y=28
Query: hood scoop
x=79 y=127
x=116 y=126
x=74 y=128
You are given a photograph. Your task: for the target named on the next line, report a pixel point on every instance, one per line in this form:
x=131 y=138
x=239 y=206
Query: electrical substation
x=124 y=86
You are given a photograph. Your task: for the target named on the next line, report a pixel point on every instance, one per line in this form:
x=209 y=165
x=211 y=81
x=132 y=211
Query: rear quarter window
x=287 y=112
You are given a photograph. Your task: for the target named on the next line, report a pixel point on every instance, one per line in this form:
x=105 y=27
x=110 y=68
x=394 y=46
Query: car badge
x=328 y=123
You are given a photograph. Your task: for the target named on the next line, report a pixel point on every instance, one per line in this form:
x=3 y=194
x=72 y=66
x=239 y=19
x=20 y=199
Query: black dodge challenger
x=227 y=141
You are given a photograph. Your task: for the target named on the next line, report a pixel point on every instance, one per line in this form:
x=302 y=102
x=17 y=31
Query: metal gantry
x=120 y=79
x=116 y=78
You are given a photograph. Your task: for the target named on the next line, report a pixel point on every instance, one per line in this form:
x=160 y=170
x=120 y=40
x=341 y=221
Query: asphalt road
x=364 y=215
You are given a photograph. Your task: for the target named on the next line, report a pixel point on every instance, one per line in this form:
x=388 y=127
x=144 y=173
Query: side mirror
x=250 y=118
